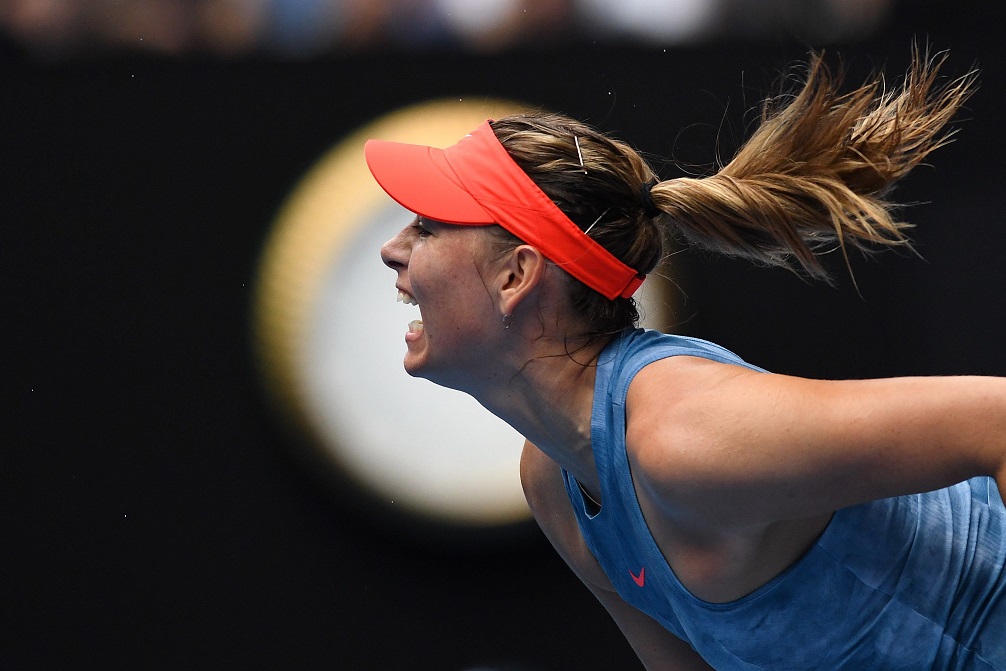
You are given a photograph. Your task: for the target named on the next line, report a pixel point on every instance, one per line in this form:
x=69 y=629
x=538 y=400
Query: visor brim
x=419 y=179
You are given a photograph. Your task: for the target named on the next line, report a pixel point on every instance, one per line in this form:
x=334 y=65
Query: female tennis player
x=727 y=517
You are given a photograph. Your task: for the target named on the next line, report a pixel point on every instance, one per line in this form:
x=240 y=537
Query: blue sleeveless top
x=914 y=582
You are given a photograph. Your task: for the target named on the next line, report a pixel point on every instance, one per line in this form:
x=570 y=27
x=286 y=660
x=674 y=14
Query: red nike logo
x=641 y=578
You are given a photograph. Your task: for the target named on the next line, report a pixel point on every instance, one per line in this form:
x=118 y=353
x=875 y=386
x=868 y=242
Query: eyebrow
x=426 y=221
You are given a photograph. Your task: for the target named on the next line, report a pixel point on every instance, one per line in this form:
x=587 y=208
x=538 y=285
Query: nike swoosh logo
x=641 y=578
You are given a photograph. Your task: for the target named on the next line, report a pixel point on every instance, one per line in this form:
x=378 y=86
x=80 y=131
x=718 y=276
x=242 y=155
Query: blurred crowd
x=300 y=28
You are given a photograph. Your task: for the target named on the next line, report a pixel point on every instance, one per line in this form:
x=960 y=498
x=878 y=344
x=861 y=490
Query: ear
x=521 y=274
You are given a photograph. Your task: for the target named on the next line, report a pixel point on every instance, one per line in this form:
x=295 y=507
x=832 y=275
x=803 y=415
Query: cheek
x=438 y=272
x=447 y=283
x=433 y=288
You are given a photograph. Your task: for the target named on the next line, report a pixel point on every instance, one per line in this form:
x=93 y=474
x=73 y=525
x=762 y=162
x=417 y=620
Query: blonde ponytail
x=816 y=171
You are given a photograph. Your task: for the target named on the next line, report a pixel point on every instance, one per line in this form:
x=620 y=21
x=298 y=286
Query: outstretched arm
x=729 y=447
x=657 y=648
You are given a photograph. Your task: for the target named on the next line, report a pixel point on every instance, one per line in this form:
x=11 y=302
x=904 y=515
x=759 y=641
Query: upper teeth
x=407 y=299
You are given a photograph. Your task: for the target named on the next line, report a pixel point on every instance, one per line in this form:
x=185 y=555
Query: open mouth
x=416 y=325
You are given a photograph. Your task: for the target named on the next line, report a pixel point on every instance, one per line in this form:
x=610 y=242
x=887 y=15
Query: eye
x=422 y=230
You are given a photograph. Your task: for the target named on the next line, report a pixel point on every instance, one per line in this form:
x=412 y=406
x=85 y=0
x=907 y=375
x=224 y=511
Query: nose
x=395 y=252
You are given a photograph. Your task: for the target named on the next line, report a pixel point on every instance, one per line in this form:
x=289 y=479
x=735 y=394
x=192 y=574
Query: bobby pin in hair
x=576 y=141
x=596 y=220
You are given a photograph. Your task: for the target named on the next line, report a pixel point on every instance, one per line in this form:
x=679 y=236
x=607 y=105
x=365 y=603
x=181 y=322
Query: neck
x=548 y=398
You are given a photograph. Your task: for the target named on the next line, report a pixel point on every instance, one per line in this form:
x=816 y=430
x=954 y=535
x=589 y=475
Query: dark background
x=151 y=514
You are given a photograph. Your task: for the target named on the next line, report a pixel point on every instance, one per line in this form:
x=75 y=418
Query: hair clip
x=596 y=220
x=576 y=141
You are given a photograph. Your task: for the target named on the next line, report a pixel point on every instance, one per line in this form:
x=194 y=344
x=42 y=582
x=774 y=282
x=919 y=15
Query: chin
x=440 y=378
x=413 y=368
x=420 y=368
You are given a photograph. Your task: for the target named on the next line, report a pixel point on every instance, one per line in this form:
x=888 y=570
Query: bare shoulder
x=546 y=496
x=712 y=438
x=734 y=450
x=682 y=379
x=679 y=403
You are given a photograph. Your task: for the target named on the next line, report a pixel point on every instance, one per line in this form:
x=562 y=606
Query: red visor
x=476 y=183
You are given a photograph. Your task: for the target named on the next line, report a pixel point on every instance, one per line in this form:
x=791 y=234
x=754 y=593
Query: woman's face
x=439 y=269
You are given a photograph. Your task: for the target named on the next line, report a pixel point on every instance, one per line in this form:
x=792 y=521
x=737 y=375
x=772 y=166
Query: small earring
x=507 y=320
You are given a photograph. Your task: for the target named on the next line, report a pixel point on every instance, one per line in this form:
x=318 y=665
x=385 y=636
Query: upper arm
x=734 y=446
x=657 y=648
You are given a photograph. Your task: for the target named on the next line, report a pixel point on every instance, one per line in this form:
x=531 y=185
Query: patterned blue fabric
x=913 y=582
